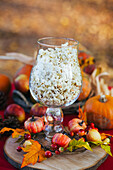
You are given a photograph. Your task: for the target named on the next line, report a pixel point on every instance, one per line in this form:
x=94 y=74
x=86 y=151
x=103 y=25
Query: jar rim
x=40 y=42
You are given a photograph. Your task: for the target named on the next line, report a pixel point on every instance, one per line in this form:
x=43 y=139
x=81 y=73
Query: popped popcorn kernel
x=56 y=78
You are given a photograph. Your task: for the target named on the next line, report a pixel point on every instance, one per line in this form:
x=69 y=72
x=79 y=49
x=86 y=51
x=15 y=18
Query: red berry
x=96 y=129
x=54 y=146
x=92 y=125
x=48 y=154
x=27 y=136
x=71 y=133
x=81 y=132
x=19 y=148
x=57 y=152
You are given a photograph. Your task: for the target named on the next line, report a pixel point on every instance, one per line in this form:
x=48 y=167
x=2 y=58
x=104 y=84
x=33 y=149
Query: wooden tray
x=79 y=161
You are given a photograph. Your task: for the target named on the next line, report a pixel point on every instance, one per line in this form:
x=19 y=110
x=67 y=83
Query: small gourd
x=99 y=110
x=34 y=124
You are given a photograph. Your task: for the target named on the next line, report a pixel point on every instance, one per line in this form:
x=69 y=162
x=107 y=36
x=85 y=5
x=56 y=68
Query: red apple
x=15 y=110
x=76 y=124
x=26 y=69
x=22 y=83
x=38 y=110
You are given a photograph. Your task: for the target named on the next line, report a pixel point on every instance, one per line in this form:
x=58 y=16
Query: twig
x=19 y=57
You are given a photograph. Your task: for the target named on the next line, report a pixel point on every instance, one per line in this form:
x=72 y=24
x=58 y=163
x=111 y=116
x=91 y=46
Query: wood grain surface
x=78 y=161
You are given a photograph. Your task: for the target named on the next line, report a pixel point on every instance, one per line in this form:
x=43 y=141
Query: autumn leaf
x=107 y=149
x=81 y=143
x=6 y=129
x=97 y=143
x=75 y=144
x=103 y=145
x=104 y=136
x=41 y=156
x=70 y=148
x=20 y=139
x=16 y=132
x=34 y=153
x=82 y=115
x=19 y=132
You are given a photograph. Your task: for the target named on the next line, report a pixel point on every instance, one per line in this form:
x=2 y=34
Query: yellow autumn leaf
x=35 y=153
x=16 y=132
x=19 y=132
x=5 y=129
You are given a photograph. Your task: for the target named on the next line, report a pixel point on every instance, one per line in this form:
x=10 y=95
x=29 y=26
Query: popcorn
x=56 y=78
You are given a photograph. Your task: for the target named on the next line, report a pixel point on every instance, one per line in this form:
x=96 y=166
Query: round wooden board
x=78 y=161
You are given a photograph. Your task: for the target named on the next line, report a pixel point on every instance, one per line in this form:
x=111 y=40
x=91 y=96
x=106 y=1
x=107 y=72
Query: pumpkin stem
x=81 y=123
x=103 y=99
x=32 y=119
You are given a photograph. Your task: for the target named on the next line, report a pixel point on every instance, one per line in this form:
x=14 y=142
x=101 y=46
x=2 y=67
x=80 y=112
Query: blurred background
x=90 y=22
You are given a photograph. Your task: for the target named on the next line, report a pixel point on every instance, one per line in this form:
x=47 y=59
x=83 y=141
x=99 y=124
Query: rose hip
x=19 y=148
x=92 y=125
x=71 y=133
x=81 y=132
x=48 y=154
x=27 y=136
x=57 y=152
x=54 y=146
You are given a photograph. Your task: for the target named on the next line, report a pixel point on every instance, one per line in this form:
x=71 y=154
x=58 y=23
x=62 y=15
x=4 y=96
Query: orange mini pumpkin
x=34 y=124
x=75 y=125
x=99 y=110
x=61 y=140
